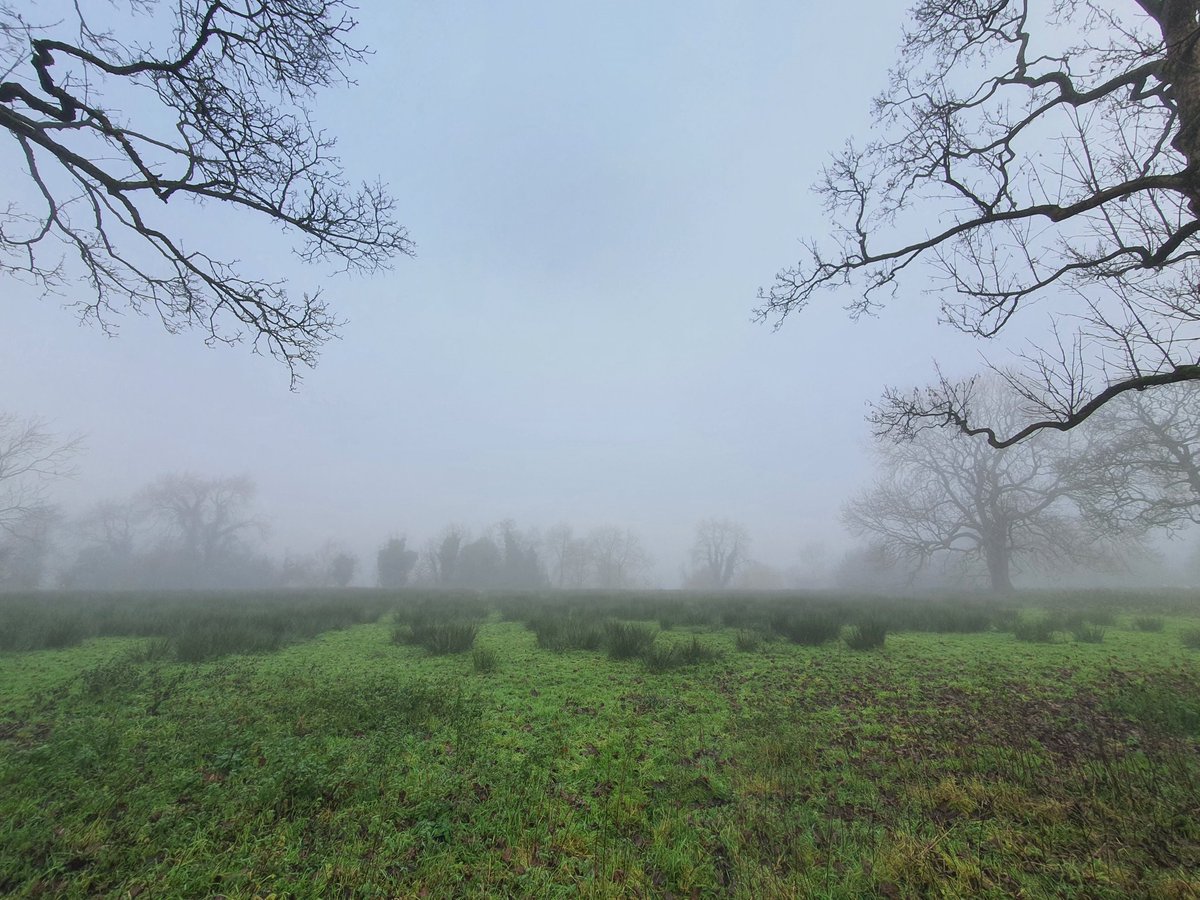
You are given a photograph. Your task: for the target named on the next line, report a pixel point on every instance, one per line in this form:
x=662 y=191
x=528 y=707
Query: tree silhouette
x=1054 y=160
x=220 y=113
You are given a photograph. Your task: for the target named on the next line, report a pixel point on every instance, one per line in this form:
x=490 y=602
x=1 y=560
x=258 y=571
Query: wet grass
x=722 y=759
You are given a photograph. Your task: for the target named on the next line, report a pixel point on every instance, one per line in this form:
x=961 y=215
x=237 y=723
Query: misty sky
x=596 y=193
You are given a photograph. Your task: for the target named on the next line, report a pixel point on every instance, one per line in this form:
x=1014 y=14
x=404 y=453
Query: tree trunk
x=1177 y=19
x=998 y=557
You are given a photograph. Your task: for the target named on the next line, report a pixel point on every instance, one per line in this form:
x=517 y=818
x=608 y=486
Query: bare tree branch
x=1143 y=468
x=1061 y=160
x=31 y=456
x=232 y=85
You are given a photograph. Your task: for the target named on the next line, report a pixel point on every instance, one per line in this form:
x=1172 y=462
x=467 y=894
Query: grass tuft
x=866 y=636
x=485 y=660
x=1086 y=633
x=663 y=658
x=809 y=628
x=748 y=641
x=1039 y=630
x=628 y=640
x=441 y=638
x=569 y=632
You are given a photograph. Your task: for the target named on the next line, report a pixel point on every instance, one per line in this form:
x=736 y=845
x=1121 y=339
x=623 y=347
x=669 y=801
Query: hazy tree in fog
x=619 y=560
x=720 y=549
x=182 y=531
x=108 y=534
x=31 y=457
x=478 y=565
x=945 y=493
x=207 y=528
x=335 y=565
x=441 y=555
x=1143 y=468
x=341 y=569
x=577 y=564
x=204 y=101
x=25 y=549
x=207 y=518
x=813 y=564
x=521 y=567
x=112 y=525
x=569 y=557
x=395 y=563
x=502 y=558
x=1027 y=162
x=330 y=566
x=557 y=541
x=298 y=571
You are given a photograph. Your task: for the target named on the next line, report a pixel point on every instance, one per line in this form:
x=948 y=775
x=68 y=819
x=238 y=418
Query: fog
x=596 y=196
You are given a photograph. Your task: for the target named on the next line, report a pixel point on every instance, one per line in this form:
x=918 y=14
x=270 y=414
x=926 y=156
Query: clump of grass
x=1148 y=623
x=1086 y=633
x=569 y=632
x=660 y=658
x=748 y=641
x=866 y=636
x=696 y=651
x=1035 y=631
x=807 y=628
x=485 y=660
x=628 y=640
x=1191 y=638
x=441 y=638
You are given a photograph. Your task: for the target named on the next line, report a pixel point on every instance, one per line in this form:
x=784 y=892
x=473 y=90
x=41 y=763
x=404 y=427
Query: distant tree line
x=946 y=509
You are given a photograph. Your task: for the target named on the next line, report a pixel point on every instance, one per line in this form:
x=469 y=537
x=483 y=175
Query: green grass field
x=456 y=746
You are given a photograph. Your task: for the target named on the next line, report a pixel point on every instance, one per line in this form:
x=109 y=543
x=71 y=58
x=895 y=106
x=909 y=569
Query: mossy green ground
x=347 y=765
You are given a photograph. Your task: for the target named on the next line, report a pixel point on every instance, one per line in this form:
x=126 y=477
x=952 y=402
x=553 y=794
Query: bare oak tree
x=221 y=111
x=944 y=493
x=721 y=548
x=207 y=520
x=1027 y=152
x=618 y=558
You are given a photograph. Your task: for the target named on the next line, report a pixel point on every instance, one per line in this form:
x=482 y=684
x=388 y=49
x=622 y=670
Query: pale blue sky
x=596 y=192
